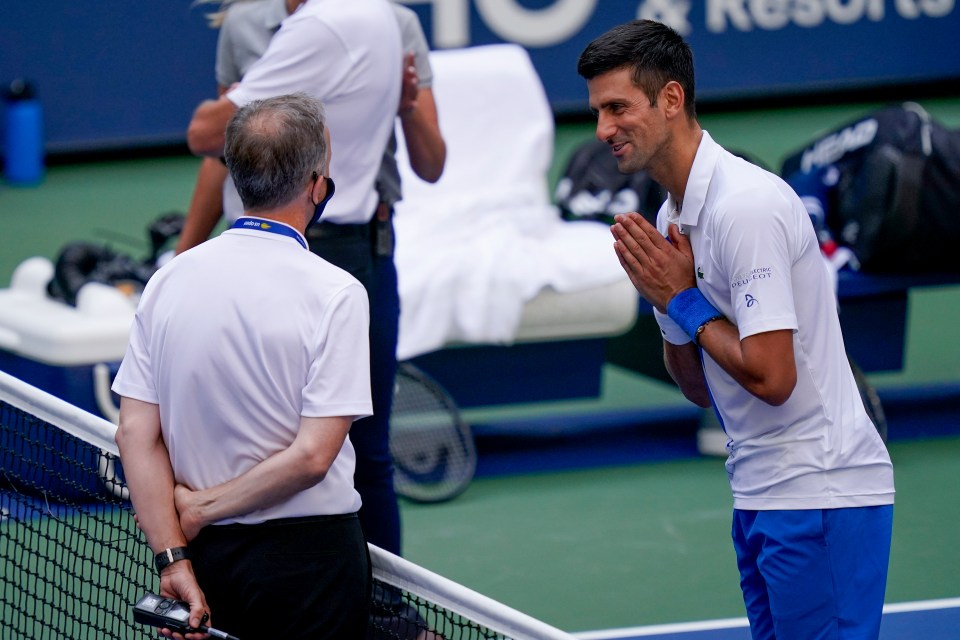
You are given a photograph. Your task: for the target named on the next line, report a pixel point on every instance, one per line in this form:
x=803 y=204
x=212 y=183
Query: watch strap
x=168 y=556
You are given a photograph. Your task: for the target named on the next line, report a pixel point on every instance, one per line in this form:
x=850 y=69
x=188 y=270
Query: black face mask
x=331 y=189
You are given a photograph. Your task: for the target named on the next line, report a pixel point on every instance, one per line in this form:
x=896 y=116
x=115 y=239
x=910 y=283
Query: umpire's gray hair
x=274 y=147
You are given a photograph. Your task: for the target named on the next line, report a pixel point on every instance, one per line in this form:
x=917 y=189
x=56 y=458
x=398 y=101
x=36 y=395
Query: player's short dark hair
x=656 y=53
x=273 y=147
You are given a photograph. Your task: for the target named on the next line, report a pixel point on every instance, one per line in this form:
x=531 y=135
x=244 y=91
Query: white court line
x=921 y=605
x=658 y=629
x=730 y=623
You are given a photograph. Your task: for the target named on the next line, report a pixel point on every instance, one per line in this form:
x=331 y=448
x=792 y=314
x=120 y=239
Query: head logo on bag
x=831 y=148
x=894 y=195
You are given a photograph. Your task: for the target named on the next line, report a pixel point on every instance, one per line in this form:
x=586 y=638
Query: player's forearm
x=684 y=366
x=763 y=364
x=206 y=205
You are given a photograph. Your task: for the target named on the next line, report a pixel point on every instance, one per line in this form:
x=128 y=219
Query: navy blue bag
x=888 y=186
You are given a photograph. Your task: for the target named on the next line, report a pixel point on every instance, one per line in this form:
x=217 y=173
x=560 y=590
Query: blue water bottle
x=23 y=140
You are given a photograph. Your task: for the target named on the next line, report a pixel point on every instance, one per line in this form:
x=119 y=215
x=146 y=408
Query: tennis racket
x=871 y=401
x=434 y=456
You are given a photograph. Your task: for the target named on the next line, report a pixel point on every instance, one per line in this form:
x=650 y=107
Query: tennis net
x=73 y=561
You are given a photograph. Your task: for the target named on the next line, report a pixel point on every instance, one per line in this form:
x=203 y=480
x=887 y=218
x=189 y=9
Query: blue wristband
x=691 y=310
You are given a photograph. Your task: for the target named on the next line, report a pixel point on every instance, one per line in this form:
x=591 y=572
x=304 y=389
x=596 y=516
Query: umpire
x=247 y=364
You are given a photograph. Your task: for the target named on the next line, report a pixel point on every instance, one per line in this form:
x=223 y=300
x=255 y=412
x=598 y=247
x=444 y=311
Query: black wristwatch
x=168 y=556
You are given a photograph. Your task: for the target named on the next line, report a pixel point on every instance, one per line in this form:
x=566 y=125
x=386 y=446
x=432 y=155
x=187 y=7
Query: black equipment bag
x=592 y=187
x=893 y=195
x=83 y=262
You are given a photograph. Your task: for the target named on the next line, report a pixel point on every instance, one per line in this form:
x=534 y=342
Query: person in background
x=266 y=44
x=246 y=27
x=749 y=320
x=247 y=365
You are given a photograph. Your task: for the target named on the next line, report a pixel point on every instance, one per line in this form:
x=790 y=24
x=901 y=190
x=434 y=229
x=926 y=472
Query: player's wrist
x=691 y=310
x=670 y=330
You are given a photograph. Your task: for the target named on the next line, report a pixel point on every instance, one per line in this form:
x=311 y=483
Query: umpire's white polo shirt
x=758 y=262
x=235 y=340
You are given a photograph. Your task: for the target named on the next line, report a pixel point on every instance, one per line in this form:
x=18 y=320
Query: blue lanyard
x=259 y=224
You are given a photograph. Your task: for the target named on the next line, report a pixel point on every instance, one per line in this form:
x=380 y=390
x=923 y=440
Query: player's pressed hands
x=178 y=581
x=658 y=268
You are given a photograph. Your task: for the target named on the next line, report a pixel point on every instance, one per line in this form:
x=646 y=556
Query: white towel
x=473 y=248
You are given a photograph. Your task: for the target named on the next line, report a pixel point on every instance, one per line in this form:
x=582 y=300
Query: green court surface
x=650 y=544
x=589 y=549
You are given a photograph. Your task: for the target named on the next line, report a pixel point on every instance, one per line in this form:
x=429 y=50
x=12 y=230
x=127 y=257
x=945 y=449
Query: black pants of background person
x=366 y=252
x=296 y=578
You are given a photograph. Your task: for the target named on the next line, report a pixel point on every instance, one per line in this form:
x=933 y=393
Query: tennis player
x=749 y=321
x=248 y=363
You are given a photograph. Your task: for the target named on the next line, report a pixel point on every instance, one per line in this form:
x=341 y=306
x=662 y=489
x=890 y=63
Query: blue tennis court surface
x=930 y=620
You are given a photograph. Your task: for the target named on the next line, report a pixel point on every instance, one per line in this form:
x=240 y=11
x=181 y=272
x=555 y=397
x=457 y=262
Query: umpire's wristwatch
x=168 y=556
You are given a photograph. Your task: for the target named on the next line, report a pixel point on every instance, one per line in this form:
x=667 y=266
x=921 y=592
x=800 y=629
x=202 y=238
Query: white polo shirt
x=348 y=55
x=244 y=36
x=235 y=340
x=759 y=264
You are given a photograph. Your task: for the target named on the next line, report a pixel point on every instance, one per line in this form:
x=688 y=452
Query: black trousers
x=292 y=578
x=366 y=252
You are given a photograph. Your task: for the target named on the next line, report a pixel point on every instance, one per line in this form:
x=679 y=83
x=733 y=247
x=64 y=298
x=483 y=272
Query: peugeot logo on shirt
x=746 y=277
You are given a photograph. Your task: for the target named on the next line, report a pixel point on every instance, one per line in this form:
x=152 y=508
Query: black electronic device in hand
x=158 y=611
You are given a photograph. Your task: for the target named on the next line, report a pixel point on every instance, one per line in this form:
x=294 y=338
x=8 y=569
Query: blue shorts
x=818 y=573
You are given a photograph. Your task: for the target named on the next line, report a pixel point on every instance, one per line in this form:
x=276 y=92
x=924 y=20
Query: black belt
x=282 y=522
x=379 y=231
x=324 y=230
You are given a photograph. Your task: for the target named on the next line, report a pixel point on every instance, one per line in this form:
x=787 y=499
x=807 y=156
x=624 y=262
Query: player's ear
x=672 y=97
